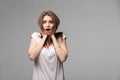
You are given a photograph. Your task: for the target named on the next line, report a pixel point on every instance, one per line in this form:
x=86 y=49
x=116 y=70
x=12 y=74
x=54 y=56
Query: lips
x=47 y=30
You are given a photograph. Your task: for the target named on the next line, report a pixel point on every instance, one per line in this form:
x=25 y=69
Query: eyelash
x=51 y=22
x=46 y=21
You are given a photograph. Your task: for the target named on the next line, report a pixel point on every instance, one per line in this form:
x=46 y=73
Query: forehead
x=47 y=17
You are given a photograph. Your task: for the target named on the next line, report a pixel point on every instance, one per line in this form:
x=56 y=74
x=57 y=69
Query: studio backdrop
x=92 y=28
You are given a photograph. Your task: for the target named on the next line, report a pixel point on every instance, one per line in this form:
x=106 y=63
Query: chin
x=49 y=34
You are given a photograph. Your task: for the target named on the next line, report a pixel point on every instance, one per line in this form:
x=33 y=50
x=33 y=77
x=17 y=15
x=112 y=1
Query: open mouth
x=47 y=30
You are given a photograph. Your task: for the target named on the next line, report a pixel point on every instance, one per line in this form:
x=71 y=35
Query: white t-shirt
x=47 y=66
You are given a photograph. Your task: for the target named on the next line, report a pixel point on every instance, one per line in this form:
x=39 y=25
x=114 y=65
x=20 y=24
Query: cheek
x=53 y=28
x=52 y=25
x=44 y=26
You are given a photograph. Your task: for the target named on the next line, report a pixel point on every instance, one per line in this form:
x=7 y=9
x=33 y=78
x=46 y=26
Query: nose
x=47 y=24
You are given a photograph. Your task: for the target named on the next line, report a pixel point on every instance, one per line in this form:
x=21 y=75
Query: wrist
x=57 y=47
x=52 y=36
x=44 y=36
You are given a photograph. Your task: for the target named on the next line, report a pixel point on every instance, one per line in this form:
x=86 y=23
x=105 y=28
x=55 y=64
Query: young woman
x=48 y=49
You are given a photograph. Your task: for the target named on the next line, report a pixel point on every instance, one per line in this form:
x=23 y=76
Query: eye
x=51 y=21
x=44 y=22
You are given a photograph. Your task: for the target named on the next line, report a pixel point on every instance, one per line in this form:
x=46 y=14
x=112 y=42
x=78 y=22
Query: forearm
x=37 y=49
x=61 y=53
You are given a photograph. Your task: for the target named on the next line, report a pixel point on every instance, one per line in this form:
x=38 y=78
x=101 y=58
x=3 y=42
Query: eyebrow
x=49 y=20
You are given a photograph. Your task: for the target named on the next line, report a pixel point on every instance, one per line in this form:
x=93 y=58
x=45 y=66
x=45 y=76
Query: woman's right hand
x=43 y=34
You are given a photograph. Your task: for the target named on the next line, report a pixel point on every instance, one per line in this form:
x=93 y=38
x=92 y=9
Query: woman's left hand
x=52 y=36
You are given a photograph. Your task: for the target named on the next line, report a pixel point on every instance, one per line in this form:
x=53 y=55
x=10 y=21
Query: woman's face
x=48 y=25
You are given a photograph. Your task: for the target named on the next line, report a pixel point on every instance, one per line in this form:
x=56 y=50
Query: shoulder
x=35 y=34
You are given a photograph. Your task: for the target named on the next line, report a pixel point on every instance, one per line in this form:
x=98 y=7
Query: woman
x=48 y=49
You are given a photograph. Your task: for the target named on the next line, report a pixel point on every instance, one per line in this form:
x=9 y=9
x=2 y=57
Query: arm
x=61 y=48
x=35 y=48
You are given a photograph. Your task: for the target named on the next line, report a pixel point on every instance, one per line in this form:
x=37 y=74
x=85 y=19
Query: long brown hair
x=52 y=15
x=55 y=20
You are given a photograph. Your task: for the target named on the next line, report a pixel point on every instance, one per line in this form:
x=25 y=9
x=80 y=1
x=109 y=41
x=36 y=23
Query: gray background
x=92 y=28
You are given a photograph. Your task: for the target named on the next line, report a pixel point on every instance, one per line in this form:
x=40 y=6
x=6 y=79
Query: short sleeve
x=35 y=35
x=64 y=37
